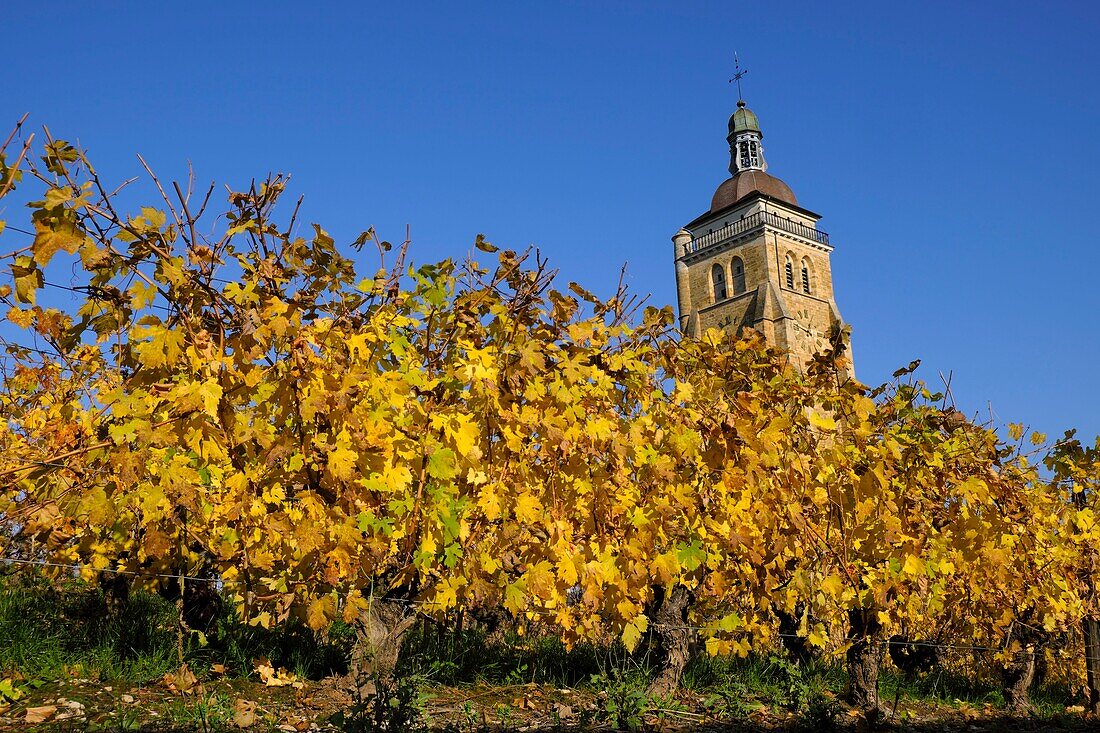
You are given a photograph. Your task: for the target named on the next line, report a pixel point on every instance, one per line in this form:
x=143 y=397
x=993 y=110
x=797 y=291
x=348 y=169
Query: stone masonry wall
x=764 y=259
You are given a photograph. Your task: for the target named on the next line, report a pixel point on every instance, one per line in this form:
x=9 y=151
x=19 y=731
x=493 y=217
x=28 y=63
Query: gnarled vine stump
x=668 y=621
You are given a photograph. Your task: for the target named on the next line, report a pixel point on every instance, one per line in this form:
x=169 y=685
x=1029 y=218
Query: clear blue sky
x=952 y=148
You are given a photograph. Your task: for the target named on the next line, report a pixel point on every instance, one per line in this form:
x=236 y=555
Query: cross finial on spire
x=737 y=78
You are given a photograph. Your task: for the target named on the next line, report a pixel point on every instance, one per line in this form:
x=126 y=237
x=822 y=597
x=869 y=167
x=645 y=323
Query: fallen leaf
x=244 y=713
x=272 y=677
x=40 y=714
x=563 y=711
x=8 y=691
x=128 y=699
x=183 y=681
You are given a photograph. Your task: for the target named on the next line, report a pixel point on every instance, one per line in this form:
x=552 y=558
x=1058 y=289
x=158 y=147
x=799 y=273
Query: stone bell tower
x=756 y=258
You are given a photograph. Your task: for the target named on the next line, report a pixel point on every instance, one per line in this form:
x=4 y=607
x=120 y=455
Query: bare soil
x=78 y=705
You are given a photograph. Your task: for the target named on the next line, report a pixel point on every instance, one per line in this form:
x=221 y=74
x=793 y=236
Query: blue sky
x=952 y=148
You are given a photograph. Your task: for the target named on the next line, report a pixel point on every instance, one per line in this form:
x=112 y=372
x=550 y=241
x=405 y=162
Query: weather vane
x=737 y=77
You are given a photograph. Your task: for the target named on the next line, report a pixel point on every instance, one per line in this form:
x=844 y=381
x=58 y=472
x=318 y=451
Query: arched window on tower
x=718 y=280
x=738 y=268
x=749 y=151
x=788 y=270
x=805 y=276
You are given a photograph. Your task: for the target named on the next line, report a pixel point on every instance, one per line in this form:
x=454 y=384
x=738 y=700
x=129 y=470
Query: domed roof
x=743 y=120
x=734 y=189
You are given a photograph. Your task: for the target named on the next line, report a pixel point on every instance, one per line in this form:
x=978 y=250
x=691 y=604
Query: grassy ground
x=50 y=631
x=86 y=664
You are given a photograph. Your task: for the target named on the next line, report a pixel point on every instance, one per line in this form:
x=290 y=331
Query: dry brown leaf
x=244 y=713
x=40 y=714
x=563 y=711
x=182 y=681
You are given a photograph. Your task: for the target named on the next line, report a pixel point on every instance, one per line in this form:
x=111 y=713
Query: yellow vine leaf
x=632 y=632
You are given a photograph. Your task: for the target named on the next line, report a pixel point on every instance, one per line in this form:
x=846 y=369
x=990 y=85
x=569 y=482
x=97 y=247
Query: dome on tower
x=747 y=182
x=743 y=120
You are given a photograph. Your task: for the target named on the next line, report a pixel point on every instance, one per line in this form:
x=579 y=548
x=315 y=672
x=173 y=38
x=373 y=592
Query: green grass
x=51 y=631
x=774 y=681
x=293 y=646
x=734 y=686
x=208 y=713
x=448 y=657
x=54 y=631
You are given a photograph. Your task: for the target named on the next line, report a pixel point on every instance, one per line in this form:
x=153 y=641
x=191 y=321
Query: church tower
x=756 y=258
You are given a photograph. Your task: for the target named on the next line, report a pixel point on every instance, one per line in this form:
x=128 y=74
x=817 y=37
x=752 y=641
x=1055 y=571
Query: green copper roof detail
x=743 y=120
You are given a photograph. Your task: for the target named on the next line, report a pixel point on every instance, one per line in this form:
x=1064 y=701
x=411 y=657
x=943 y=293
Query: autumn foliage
x=247 y=407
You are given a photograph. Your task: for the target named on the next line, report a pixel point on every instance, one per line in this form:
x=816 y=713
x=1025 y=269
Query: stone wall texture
x=788 y=318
